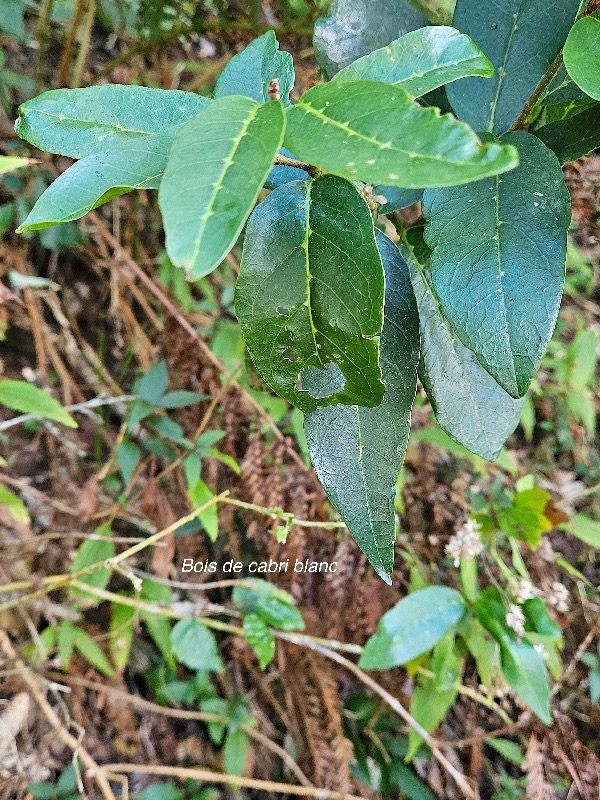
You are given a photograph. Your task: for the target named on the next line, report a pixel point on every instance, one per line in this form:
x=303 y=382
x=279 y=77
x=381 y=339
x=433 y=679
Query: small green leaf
x=354 y=28
x=195 y=646
x=275 y=606
x=98 y=178
x=65 y=640
x=95 y=550
x=152 y=386
x=507 y=749
x=79 y=122
x=377 y=133
x=260 y=638
x=358 y=452
x=235 y=752
x=468 y=403
x=88 y=648
x=215 y=171
x=120 y=634
x=586 y=529
x=128 y=457
x=179 y=399
x=11 y=163
x=521 y=39
x=309 y=296
x=16 y=507
x=27 y=398
x=429 y=706
x=509 y=236
x=421 y=61
x=161 y=791
x=524 y=670
x=250 y=72
x=582 y=55
x=199 y=494
x=412 y=627
x=583 y=359
x=538 y=619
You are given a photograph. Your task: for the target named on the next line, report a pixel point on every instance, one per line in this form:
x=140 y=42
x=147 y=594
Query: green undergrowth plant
x=339 y=319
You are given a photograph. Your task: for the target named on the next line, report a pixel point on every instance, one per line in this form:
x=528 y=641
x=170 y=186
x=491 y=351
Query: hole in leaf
x=282 y=311
x=289 y=354
x=322 y=383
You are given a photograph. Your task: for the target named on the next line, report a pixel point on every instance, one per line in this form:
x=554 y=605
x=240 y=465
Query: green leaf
x=429 y=706
x=152 y=386
x=468 y=403
x=65 y=640
x=200 y=494
x=235 y=751
x=421 y=61
x=396 y=198
x=507 y=749
x=28 y=399
x=524 y=670
x=215 y=171
x=260 y=638
x=377 y=133
x=358 y=452
x=195 y=646
x=79 y=122
x=11 y=18
x=161 y=791
x=539 y=620
x=128 y=457
x=586 y=529
x=275 y=606
x=498 y=262
x=98 y=178
x=309 y=296
x=404 y=779
x=525 y=518
x=16 y=507
x=95 y=550
x=355 y=28
x=582 y=55
x=120 y=634
x=180 y=398
x=11 y=163
x=521 y=38
x=583 y=359
x=250 y=72
x=412 y=627
x=88 y=648
x=573 y=137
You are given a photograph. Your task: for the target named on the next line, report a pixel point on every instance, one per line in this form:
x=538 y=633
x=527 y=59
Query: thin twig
x=395 y=705
x=33 y=685
x=180 y=713
x=208 y=776
x=96 y=402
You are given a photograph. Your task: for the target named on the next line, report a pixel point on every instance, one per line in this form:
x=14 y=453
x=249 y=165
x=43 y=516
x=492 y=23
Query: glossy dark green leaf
x=98 y=178
x=468 y=403
x=582 y=55
x=412 y=627
x=498 y=263
x=354 y=28
x=358 y=452
x=250 y=72
x=421 y=61
x=78 y=122
x=215 y=171
x=395 y=198
x=521 y=38
x=377 y=133
x=309 y=295
x=573 y=137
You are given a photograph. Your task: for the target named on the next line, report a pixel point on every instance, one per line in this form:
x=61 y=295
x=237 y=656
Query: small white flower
x=515 y=619
x=523 y=590
x=541 y=651
x=559 y=597
x=466 y=542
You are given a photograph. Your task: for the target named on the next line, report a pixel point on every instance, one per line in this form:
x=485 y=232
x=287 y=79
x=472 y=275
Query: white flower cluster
x=515 y=619
x=466 y=542
x=559 y=597
x=523 y=590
